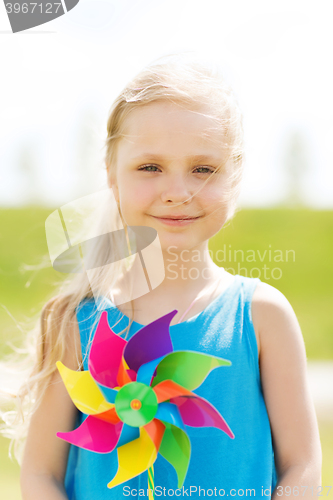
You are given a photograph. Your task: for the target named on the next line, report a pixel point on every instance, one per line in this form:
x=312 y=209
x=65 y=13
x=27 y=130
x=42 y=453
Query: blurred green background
x=295 y=245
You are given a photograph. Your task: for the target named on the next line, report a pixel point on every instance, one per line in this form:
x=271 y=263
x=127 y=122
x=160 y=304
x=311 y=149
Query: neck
x=188 y=269
x=181 y=273
x=183 y=280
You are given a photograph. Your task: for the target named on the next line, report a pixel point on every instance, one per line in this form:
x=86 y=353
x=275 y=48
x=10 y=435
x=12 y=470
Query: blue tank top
x=219 y=466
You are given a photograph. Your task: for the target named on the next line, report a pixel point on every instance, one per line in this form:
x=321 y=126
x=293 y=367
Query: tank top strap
x=248 y=287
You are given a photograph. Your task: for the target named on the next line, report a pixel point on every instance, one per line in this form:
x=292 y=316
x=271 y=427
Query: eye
x=148 y=168
x=205 y=170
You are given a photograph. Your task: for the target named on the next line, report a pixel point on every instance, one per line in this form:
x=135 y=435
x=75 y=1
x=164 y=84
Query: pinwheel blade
x=146 y=371
x=168 y=412
x=125 y=376
x=134 y=458
x=168 y=389
x=150 y=342
x=155 y=429
x=198 y=412
x=128 y=434
x=83 y=391
x=176 y=449
x=94 y=435
x=108 y=416
x=105 y=354
x=187 y=368
x=109 y=394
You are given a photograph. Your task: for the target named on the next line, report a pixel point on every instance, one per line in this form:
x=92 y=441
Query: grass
x=296 y=247
x=9 y=474
x=23 y=292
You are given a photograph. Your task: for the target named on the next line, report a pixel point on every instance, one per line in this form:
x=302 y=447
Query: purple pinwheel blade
x=150 y=342
x=198 y=412
x=94 y=435
x=105 y=354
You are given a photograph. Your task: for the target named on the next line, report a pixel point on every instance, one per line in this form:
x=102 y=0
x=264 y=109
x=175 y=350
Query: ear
x=111 y=180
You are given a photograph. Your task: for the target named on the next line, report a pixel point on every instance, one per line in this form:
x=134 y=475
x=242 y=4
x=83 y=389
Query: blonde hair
x=175 y=79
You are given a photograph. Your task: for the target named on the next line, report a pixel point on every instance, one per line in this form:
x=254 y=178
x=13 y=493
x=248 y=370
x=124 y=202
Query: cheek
x=216 y=205
x=215 y=197
x=134 y=194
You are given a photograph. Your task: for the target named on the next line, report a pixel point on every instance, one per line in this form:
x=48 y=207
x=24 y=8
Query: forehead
x=170 y=129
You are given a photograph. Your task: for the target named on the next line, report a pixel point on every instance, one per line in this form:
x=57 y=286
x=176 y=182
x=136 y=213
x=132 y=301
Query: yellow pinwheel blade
x=83 y=391
x=134 y=458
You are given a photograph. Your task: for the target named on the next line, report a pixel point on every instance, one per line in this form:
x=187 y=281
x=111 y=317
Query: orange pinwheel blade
x=109 y=416
x=155 y=429
x=123 y=376
x=168 y=389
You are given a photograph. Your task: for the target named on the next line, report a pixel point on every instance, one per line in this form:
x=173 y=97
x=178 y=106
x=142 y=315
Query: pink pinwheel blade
x=94 y=435
x=197 y=412
x=151 y=342
x=105 y=354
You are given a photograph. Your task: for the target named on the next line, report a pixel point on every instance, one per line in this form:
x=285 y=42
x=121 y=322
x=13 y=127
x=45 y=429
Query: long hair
x=176 y=79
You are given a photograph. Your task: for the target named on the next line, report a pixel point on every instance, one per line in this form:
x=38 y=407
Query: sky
x=59 y=80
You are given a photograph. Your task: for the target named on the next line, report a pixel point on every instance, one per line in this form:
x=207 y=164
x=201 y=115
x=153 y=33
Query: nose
x=176 y=189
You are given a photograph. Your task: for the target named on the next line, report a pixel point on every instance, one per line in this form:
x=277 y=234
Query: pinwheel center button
x=136 y=404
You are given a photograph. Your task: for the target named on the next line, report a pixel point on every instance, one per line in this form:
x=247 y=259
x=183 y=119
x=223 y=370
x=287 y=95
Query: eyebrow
x=157 y=157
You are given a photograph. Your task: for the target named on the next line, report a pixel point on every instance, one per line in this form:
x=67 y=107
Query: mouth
x=181 y=220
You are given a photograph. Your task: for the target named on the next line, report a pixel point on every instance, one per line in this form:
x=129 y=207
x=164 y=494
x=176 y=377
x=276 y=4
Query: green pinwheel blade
x=176 y=449
x=187 y=368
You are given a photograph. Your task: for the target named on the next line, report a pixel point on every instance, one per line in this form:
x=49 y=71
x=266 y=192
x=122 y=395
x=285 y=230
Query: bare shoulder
x=267 y=296
x=283 y=375
x=271 y=312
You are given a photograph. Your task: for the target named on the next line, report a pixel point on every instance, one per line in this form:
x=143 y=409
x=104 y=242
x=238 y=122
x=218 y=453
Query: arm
x=45 y=456
x=286 y=391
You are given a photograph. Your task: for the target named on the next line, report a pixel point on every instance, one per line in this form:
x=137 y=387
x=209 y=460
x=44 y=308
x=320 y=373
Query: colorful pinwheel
x=137 y=395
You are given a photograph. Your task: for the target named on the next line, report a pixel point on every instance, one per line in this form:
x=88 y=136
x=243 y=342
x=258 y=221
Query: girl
x=174 y=158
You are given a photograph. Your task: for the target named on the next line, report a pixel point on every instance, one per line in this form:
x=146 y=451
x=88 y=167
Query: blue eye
x=150 y=168
x=208 y=170
x=145 y=167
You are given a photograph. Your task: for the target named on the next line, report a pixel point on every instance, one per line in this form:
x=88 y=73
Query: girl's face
x=163 y=161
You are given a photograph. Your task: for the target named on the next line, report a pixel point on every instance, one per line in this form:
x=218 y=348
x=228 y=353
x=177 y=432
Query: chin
x=183 y=242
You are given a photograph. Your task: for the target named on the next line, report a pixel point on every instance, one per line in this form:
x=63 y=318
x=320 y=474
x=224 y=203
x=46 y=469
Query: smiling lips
x=176 y=217
x=179 y=220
